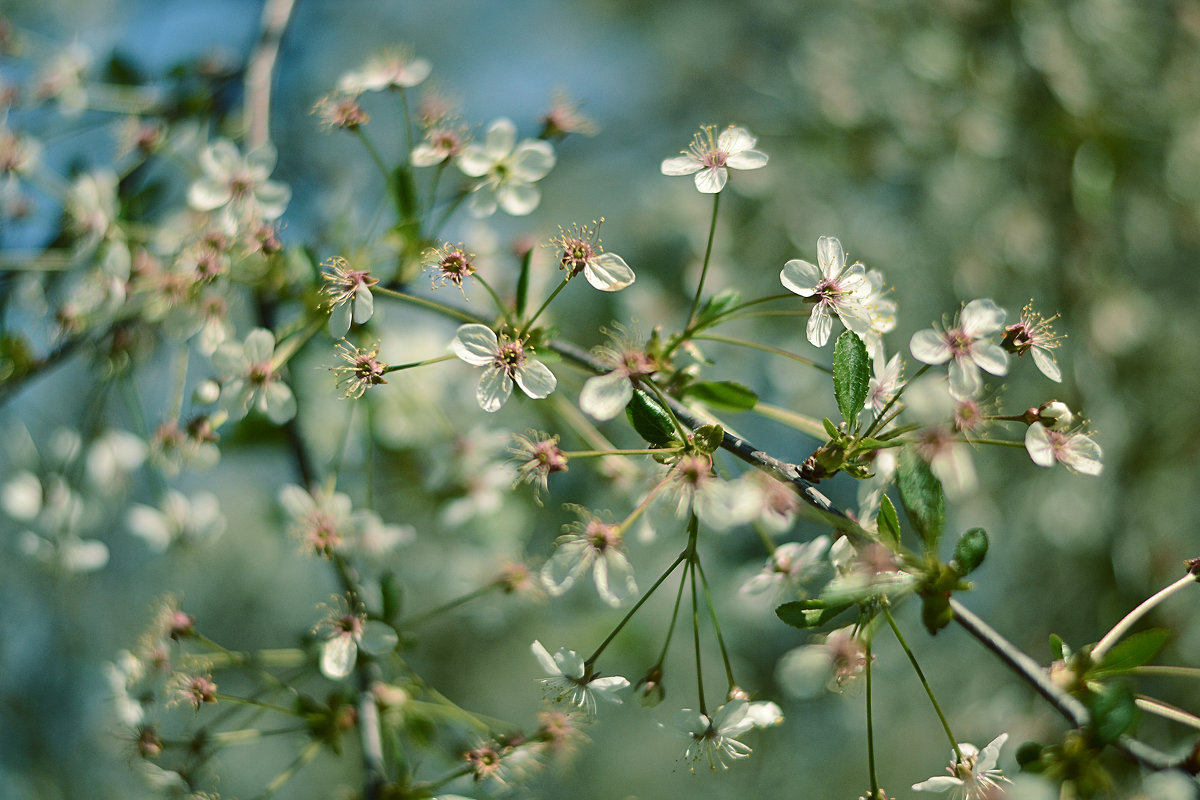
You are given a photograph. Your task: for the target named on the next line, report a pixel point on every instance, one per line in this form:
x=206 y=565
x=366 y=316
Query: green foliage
x=1130 y=653
x=717 y=306
x=814 y=613
x=724 y=395
x=922 y=496
x=851 y=375
x=970 y=551
x=708 y=438
x=1113 y=712
x=650 y=419
x=887 y=522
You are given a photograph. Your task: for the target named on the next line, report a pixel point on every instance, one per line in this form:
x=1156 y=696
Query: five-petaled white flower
x=974 y=778
x=571 y=683
x=590 y=543
x=392 y=69
x=714 y=739
x=787 y=568
x=505 y=361
x=1075 y=450
x=508 y=170
x=886 y=381
x=833 y=287
x=239 y=184
x=711 y=158
x=252 y=378
x=965 y=347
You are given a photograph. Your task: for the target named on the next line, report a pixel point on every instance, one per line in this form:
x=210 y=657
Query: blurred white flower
x=251 y=378
x=178 y=519
x=392 y=69
x=787 y=568
x=974 y=778
x=508 y=169
x=590 y=543
x=965 y=345
x=1073 y=449
x=239 y=184
x=714 y=739
x=711 y=158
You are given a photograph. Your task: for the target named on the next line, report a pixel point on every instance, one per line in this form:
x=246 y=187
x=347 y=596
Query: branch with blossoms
x=142 y=288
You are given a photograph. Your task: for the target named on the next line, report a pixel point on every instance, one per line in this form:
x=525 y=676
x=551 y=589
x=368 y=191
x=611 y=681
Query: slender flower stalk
x=1122 y=627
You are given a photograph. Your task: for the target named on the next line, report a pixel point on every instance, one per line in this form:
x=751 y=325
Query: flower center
x=510 y=357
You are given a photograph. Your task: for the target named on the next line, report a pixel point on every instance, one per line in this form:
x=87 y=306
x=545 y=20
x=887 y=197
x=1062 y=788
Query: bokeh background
x=966 y=148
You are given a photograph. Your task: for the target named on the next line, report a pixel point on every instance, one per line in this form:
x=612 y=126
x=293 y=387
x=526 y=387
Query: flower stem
x=587 y=665
x=921 y=676
x=696 y=635
x=438 y=359
x=383 y=170
x=495 y=298
x=766 y=348
x=417 y=619
x=546 y=302
x=1121 y=628
x=871 y=731
x=712 y=613
x=1167 y=711
x=878 y=422
x=593 y=453
x=433 y=305
x=289 y=772
x=674 y=616
x=712 y=231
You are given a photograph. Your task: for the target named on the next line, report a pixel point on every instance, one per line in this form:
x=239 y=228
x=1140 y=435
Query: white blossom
x=505 y=361
x=834 y=287
x=966 y=347
x=508 y=170
x=710 y=159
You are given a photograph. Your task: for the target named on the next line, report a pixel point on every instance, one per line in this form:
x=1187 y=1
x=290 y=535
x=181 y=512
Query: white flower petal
x=929 y=347
x=981 y=317
x=681 y=165
x=518 y=199
x=494 y=388
x=1082 y=454
x=990 y=357
x=532 y=160
x=749 y=159
x=536 y=379
x=1046 y=363
x=965 y=380
x=475 y=344
x=800 y=277
x=608 y=273
x=735 y=140
x=278 y=402
x=364 y=305
x=711 y=180
x=500 y=138
x=830 y=255
x=603 y=397
x=206 y=194
x=1037 y=443
x=544 y=659
x=338 y=656
x=820 y=325
x=473 y=161
x=339 y=319
x=938 y=783
x=259 y=346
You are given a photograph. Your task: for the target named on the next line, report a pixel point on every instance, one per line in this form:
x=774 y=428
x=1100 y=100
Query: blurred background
x=965 y=148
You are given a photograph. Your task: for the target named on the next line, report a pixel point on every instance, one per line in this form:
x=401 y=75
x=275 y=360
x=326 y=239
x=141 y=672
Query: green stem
x=766 y=348
x=496 y=299
x=1122 y=627
x=696 y=635
x=424 y=616
x=542 y=308
x=1168 y=671
x=451 y=207
x=712 y=613
x=383 y=170
x=877 y=423
x=228 y=698
x=424 y=302
x=593 y=453
x=712 y=231
x=426 y=362
x=306 y=755
x=674 y=616
x=921 y=676
x=871 y=732
x=587 y=665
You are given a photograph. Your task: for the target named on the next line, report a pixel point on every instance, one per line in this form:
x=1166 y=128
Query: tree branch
x=261 y=71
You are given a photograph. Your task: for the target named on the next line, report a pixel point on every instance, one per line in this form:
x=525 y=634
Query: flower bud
x=649 y=690
x=206 y=393
x=1055 y=415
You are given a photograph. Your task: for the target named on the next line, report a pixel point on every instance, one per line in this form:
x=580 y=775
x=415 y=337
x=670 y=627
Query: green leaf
x=723 y=394
x=970 y=550
x=391 y=590
x=831 y=429
x=1058 y=648
x=718 y=305
x=851 y=375
x=708 y=438
x=1113 y=712
x=650 y=419
x=810 y=613
x=887 y=522
x=922 y=496
x=1132 y=652
x=523 y=284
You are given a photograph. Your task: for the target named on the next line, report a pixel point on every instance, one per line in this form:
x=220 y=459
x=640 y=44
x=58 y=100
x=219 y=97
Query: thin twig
x=261 y=71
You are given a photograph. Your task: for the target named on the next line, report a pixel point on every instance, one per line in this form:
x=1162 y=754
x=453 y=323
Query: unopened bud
x=1055 y=415
x=649 y=689
x=206 y=393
